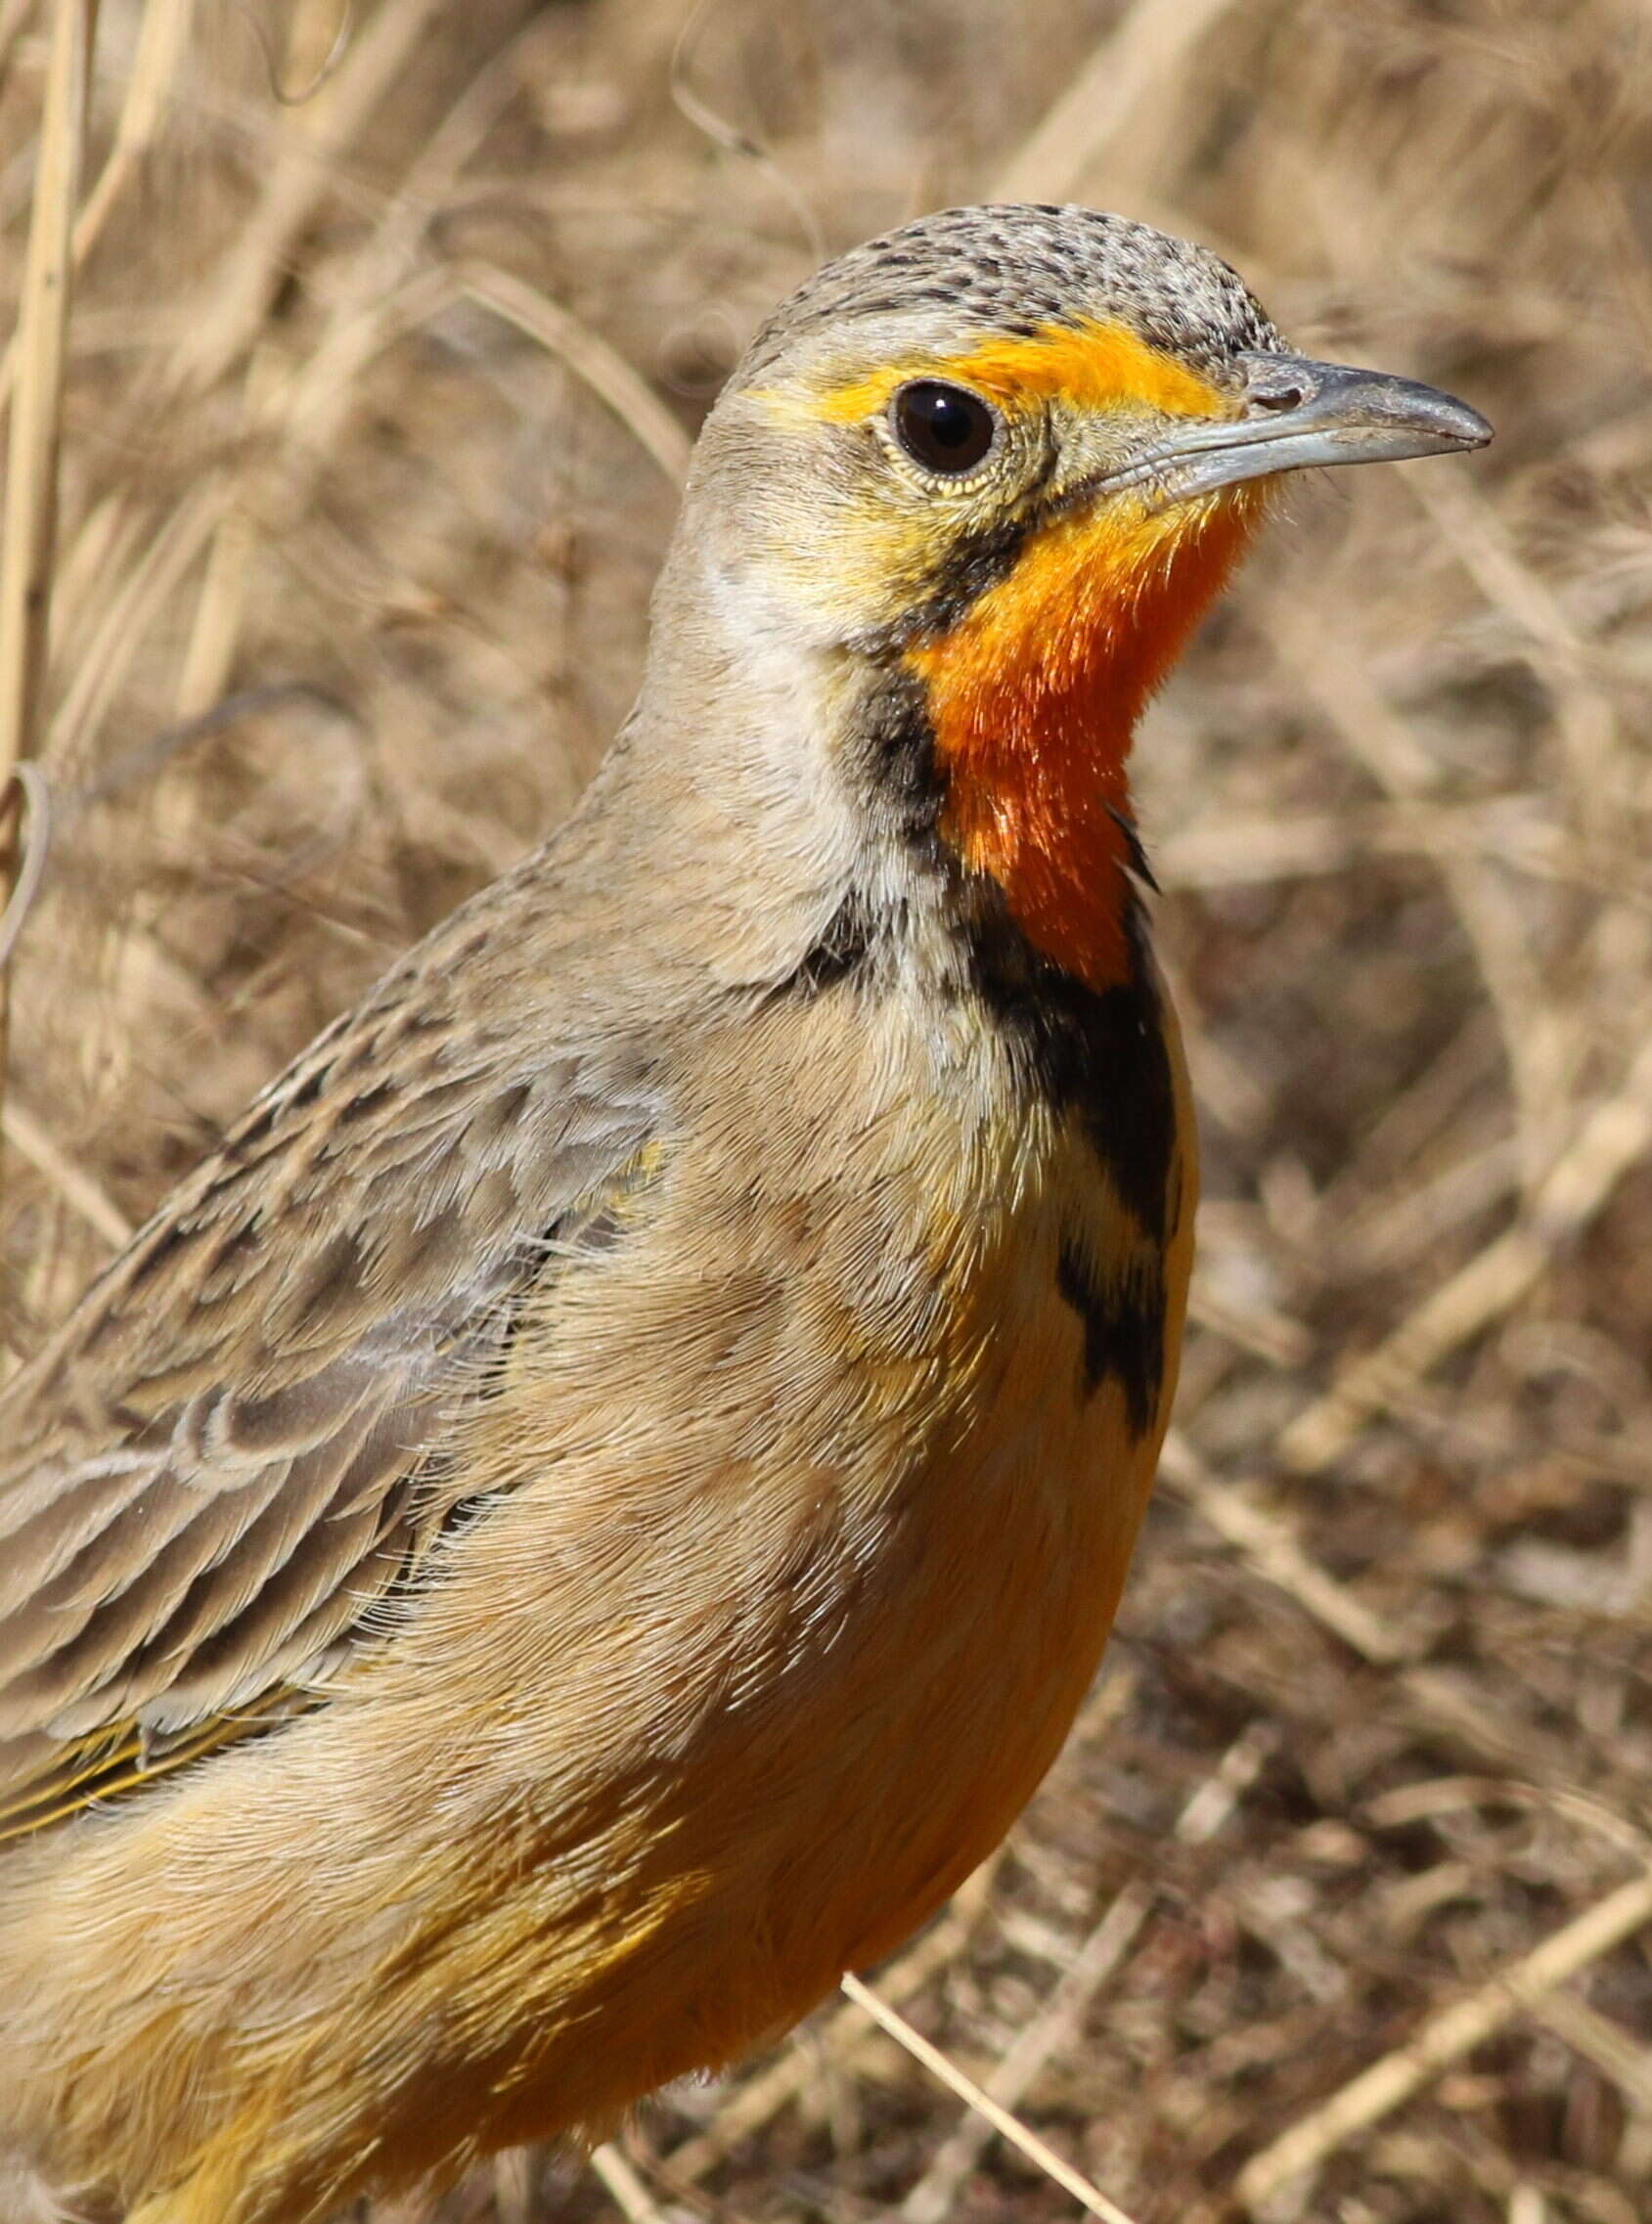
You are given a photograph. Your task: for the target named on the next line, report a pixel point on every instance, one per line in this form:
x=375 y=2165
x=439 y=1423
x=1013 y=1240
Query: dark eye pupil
x=944 y=428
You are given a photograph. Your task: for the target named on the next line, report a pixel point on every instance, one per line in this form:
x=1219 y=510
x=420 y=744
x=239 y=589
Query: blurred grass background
x=389 y=333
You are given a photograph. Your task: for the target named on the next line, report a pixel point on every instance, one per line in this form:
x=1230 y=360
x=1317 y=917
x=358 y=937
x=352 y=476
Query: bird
x=594 y=1506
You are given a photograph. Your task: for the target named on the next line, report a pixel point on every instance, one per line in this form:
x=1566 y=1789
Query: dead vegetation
x=388 y=337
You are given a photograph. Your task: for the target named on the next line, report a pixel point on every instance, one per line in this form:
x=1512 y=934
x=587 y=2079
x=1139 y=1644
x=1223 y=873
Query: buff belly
x=722 y=1698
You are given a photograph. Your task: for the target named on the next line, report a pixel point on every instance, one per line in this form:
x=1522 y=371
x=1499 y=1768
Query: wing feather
x=234 y=1448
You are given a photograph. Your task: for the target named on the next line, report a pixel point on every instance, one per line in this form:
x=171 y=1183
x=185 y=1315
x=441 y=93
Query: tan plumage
x=592 y=1511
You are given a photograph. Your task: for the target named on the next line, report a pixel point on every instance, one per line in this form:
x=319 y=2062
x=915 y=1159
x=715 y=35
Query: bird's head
x=1008 y=455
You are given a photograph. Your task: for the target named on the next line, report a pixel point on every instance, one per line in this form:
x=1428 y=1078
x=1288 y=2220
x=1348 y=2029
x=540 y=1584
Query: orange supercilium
x=1089 y=365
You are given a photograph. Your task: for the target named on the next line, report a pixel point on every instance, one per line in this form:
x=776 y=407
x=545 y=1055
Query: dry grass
x=381 y=365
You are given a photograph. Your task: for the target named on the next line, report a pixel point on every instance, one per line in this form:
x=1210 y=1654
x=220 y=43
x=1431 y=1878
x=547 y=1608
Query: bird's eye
x=944 y=428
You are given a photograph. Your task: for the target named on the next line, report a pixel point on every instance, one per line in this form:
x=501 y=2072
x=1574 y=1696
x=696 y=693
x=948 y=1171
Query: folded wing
x=233 y=1452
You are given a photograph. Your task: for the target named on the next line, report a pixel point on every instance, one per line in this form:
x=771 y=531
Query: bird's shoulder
x=234 y=1445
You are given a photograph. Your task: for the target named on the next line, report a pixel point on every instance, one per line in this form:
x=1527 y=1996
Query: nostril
x=1280 y=398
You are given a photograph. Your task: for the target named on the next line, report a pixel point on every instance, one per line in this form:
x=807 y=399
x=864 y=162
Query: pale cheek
x=862 y=566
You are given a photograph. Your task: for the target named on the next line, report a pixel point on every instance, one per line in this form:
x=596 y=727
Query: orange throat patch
x=1033 y=698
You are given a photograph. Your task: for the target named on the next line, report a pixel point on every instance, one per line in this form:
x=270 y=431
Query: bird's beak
x=1296 y=413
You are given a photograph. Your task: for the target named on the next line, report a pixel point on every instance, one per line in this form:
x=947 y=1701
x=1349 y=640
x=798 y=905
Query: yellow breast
x=813 y=1497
